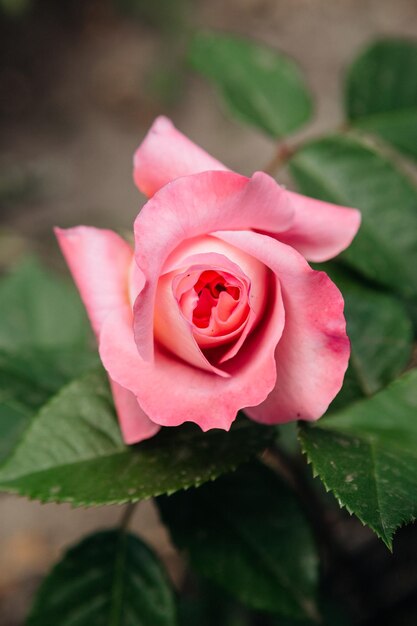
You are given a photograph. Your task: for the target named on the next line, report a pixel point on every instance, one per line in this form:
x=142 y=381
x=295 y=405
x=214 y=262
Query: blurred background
x=80 y=83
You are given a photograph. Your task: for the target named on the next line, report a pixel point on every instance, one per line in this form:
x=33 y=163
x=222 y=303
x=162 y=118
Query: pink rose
x=216 y=309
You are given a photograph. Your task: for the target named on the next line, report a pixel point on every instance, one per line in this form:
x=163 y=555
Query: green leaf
x=380 y=332
x=28 y=379
x=381 y=92
x=411 y=306
x=20 y=395
x=12 y=423
x=109 y=579
x=346 y=171
x=246 y=533
x=261 y=86
x=206 y=604
x=366 y=455
x=44 y=343
x=39 y=310
x=72 y=451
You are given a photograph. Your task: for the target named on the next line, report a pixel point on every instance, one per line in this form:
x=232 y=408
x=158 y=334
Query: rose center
x=206 y=304
x=214 y=292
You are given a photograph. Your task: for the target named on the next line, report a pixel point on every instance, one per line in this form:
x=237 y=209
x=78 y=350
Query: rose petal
x=194 y=206
x=178 y=334
x=203 y=248
x=313 y=352
x=100 y=263
x=320 y=230
x=174 y=331
x=166 y=154
x=134 y=423
x=172 y=392
x=214 y=331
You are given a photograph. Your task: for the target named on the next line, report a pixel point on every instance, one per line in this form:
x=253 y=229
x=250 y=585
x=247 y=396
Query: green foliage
x=261 y=86
x=380 y=333
x=366 y=454
x=207 y=604
x=70 y=447
x=346 y=171
x=28 y=379
x=13 y=420
x=246 y=533
x=381 y=92
x=44 y=343
x=110 y=578
x=39 y=310
x=59 y=436
x=72 y=451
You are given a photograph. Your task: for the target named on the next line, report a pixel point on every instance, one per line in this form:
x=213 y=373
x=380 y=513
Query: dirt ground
x=76 y=99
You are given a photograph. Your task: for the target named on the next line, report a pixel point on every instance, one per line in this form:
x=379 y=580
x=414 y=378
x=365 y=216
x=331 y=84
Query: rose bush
x=216 y=309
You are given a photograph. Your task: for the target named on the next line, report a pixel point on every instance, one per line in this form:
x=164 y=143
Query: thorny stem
x=127 y=516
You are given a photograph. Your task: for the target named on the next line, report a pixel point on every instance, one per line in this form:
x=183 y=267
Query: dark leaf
x=246 y=533
x=109 y=579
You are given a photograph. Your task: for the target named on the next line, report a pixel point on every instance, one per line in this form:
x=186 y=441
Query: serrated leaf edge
x=386 y=539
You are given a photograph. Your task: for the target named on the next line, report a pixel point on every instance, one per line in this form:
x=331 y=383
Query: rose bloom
x=216 y=308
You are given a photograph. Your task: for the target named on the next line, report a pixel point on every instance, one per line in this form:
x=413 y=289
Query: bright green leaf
x=346 y=171
x=381 y=92
x=109 y=579
x=72 y=451
x=381 y=336
x=260 y=85
x=366 y=454
x=246 y=533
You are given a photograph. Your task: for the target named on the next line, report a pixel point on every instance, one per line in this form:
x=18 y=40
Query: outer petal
x=134 y=423
x=193 y=206
x=166 y=154
x=172 y=392
x=320 y=230
x=313 y=352
x=100 y=262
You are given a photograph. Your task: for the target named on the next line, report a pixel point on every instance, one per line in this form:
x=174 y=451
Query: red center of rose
x=214 y=291
x=214 y=301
